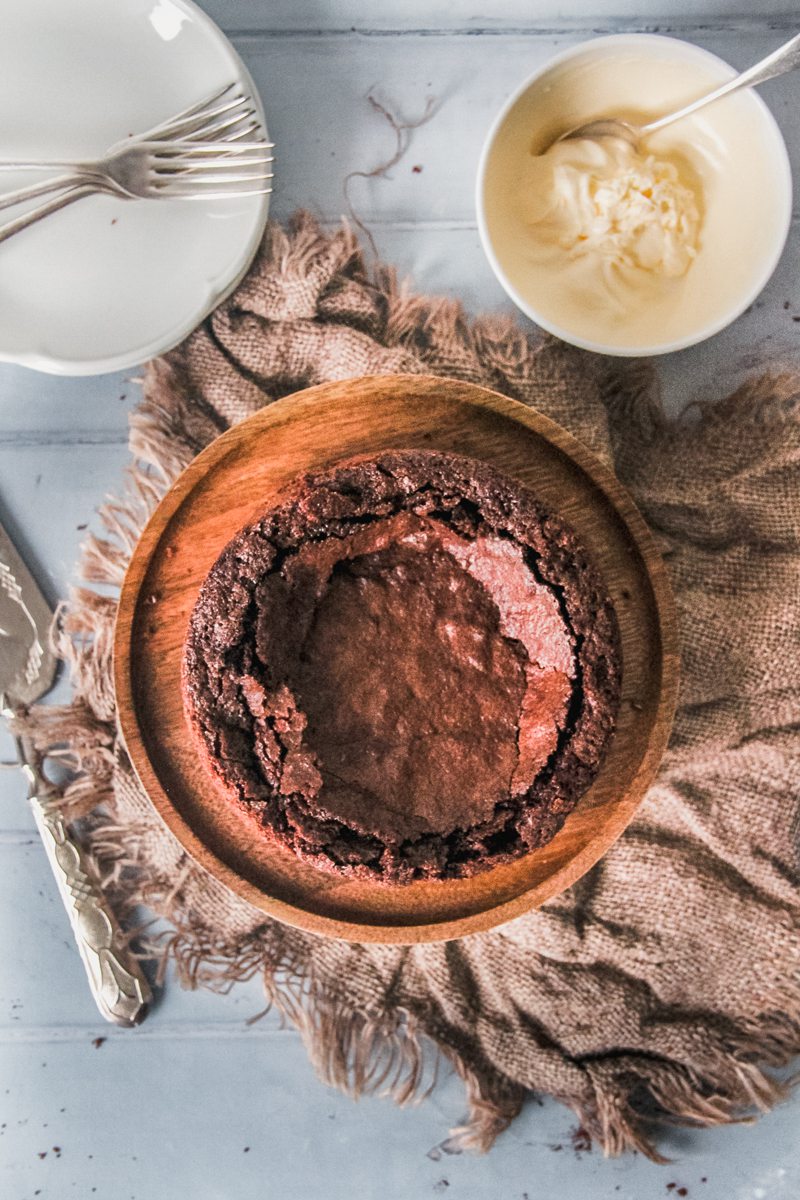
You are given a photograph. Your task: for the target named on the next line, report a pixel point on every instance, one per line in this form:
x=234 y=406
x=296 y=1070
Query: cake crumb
x=581 y=1140
x=98 y=1042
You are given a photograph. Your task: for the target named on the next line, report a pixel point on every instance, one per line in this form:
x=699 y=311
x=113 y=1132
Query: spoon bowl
x=604 y=128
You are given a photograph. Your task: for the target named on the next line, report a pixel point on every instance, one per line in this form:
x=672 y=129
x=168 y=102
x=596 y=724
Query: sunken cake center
x=434 y=674
x=406 y=669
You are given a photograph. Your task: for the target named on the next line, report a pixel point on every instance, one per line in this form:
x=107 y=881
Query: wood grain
x=238 y=476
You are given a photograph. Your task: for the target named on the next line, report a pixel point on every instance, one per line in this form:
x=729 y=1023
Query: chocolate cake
x=406 y=669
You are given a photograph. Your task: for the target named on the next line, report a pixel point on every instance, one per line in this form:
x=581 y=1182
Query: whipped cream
x=600 y=199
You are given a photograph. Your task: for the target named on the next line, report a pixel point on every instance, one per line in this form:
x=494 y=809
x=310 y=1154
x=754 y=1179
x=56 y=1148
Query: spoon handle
x=785 y=58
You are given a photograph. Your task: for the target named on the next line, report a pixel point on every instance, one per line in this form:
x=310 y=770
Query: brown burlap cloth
x=666 y=983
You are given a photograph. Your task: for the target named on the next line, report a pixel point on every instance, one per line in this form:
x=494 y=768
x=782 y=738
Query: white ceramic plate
x=108 y=283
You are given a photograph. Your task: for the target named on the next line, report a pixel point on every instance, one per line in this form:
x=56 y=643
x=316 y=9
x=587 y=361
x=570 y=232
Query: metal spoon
x=785 y=58
x=27 y=671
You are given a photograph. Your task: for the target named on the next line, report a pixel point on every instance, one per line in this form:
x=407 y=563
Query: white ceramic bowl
x=109 y=283
x=746 y=214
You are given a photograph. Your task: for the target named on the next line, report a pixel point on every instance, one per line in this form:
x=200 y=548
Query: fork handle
x=57 y=183
x=12 y=164
x=44 y=210
x=116 y=980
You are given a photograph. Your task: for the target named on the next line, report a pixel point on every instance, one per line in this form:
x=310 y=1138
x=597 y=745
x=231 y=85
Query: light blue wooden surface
x=197 y=1103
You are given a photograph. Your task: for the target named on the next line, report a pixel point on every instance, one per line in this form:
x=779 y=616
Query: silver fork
x=148 y=170
x=194 y=121
x=138 y=173
x=214 y=117
x=156 y=168
x=219 y=118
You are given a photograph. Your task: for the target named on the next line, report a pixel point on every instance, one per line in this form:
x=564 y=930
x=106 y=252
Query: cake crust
x=405 y=669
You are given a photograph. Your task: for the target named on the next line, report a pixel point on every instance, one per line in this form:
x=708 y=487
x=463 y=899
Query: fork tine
x=226 y=128
x=246 y=187
x=169 y=164
x=222 y=128
x=251 y=131
x=186 y=113
x=168 y=183
x=212 y=130
x=197 y=127
x=211 y=171
x=253 y=128
x=229 y=193
x=201 y=151
x=206 y=119
x=227 y=98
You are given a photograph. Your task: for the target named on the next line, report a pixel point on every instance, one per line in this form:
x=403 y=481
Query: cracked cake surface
x=406 y=668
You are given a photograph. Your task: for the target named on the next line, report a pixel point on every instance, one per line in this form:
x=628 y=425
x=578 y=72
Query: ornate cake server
x=27 y=671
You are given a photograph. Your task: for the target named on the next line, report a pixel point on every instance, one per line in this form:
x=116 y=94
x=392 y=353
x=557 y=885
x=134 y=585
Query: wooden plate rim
x=291 y=407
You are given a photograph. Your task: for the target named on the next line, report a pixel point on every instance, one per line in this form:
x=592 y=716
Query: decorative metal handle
x=58 y=183
x=18 y=224
x=785 y=58
x=116 y=979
